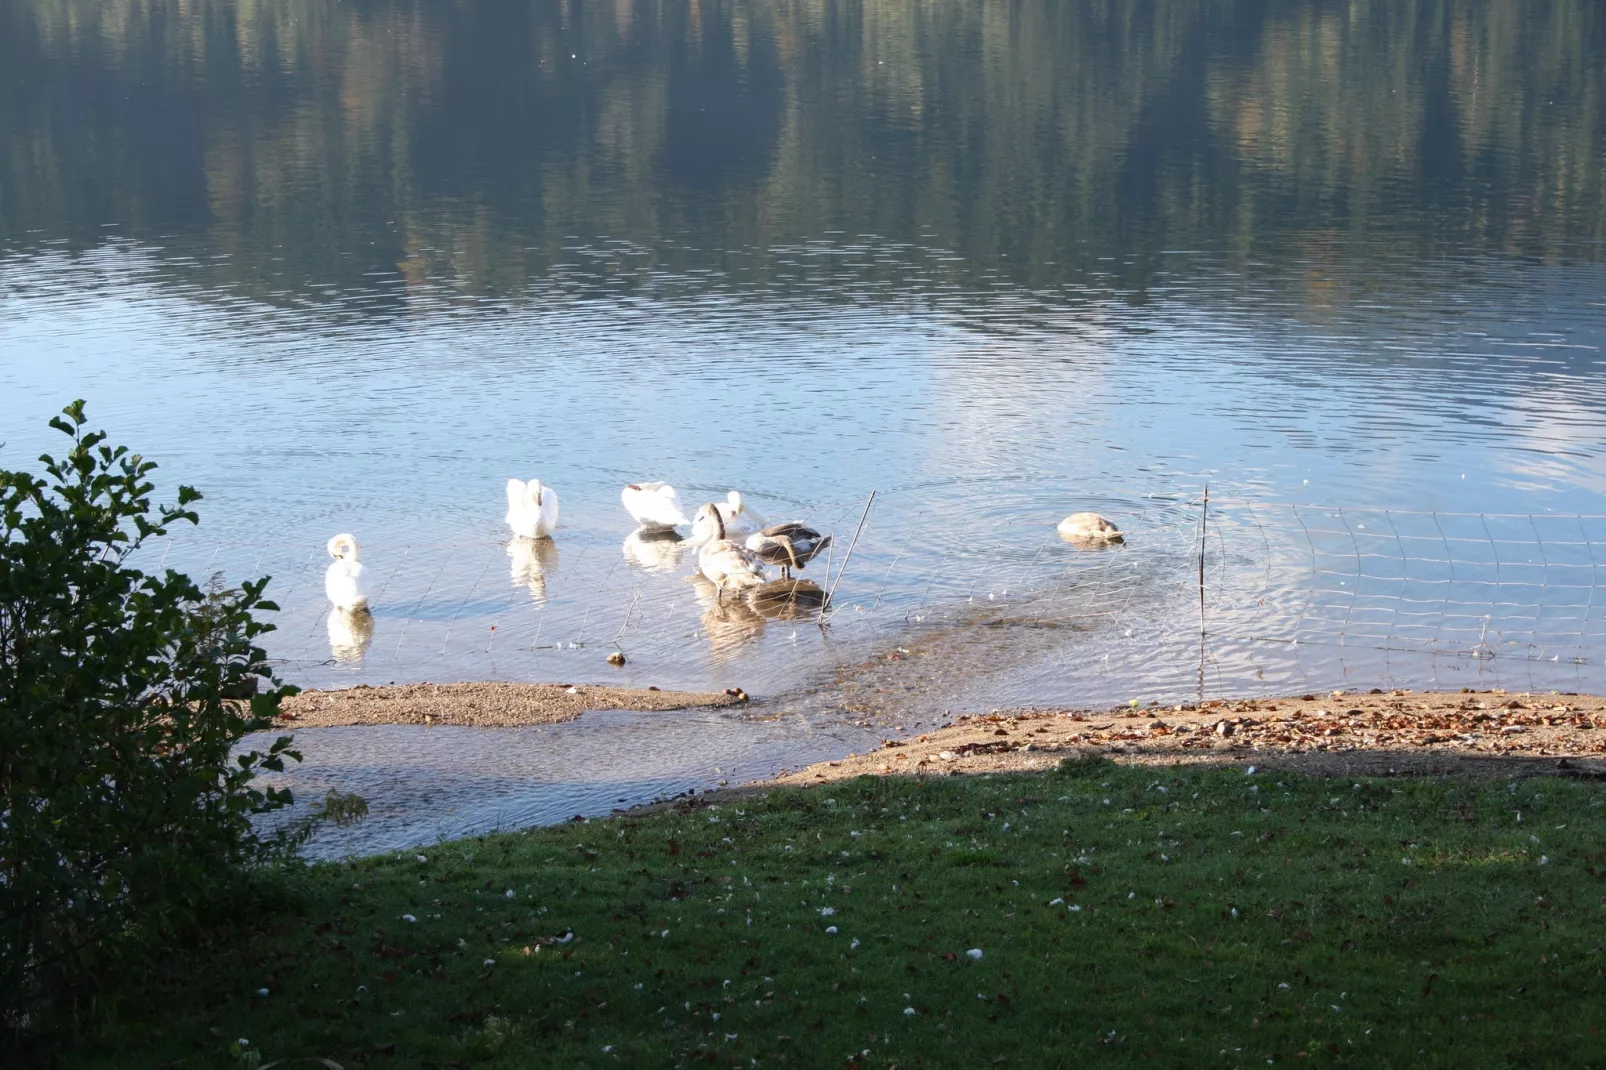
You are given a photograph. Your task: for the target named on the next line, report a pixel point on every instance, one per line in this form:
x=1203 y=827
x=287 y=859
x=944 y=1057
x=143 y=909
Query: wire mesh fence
x=1476 y=585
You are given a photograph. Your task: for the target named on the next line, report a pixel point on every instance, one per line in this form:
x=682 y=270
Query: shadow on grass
x=1186 y=915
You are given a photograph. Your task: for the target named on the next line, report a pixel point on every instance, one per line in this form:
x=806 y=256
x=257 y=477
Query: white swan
x=739 y=518
x=1089 y=528
x=532 y=509
x=346 y=580
x=790 y=545
x=654 y=551
x=735 y=519
x=654 y=506
x=724 y=563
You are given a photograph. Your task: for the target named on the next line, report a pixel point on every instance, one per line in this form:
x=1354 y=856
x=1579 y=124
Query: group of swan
x=734 y=545
x=532 y=514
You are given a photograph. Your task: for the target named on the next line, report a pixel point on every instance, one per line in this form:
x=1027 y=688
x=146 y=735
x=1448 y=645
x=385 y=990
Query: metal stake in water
x=849 y=555
x=1204 y=517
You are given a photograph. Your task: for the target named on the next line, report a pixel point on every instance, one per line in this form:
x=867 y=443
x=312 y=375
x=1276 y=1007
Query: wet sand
x=547 y=763
x=1332 y=733
x=484 y=705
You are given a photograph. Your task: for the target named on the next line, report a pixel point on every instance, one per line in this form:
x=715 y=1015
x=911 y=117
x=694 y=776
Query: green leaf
x=131 y=808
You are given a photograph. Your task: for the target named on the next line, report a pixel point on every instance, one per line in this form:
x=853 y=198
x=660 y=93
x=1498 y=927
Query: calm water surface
x=351 y=266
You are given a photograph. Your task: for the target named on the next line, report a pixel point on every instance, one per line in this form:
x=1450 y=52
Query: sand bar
x=485 y=705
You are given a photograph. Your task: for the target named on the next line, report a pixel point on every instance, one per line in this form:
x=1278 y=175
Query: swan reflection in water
x=655 y=551
x=728 y=622
x=351 y=633
x=739 y=617
x=531 y=561
x=788 y=599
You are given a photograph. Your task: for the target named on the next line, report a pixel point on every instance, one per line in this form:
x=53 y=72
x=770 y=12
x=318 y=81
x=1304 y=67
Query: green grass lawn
x=1186 y=918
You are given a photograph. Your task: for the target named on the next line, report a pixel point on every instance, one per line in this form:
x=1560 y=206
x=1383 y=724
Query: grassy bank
x=1190 y=917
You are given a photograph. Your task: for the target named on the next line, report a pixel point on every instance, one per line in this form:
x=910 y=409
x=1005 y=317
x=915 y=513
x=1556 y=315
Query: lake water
x=350 y=266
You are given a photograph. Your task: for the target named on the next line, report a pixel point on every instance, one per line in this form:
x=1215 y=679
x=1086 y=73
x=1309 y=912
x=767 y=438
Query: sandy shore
x=485 y=705
x=1339 y=733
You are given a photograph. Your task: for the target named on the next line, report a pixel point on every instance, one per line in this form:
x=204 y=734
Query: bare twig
x=635 y=600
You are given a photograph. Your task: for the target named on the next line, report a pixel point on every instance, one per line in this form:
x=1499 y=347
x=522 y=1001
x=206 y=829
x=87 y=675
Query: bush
x=122 y=697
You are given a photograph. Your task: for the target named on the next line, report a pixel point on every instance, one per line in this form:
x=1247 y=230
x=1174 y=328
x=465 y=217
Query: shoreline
x=1338 y=733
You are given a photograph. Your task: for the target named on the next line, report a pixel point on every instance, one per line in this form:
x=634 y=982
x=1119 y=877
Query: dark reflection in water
x=373 y=145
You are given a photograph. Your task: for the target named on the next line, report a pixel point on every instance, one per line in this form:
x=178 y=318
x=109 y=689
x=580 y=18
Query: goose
x=1088 y=528
x=346 y=580
x=532 y=509
x=735 y=518
x=790 y=545
x=653 y=506
x=721 y=561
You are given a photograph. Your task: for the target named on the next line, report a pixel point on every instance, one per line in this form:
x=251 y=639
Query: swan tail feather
x=515 y=493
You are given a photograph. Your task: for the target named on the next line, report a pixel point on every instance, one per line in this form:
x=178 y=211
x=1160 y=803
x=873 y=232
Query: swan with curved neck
x=346 y=579
x=721 y=561
x=736 y=518
x=790 y=545
x=532 y=509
